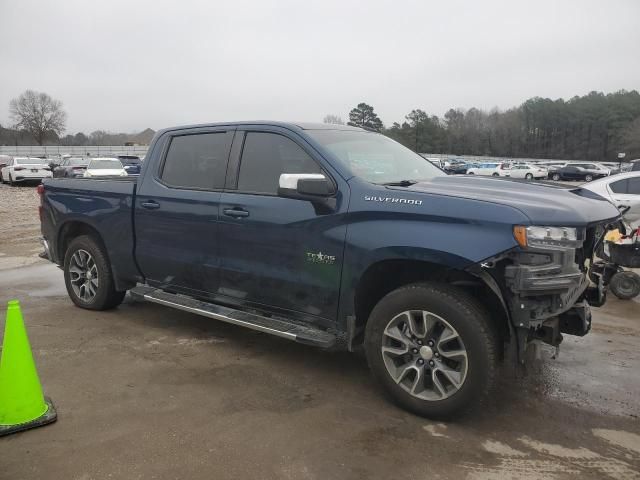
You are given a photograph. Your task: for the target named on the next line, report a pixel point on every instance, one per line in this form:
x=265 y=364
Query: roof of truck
x=289 y=125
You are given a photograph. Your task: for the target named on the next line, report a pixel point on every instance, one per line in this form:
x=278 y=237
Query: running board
x=279 y=327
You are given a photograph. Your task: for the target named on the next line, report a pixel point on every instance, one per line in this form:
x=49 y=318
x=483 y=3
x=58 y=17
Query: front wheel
x=555 y=176
x=529 y=176
x=11 y=182
x=495 y=174
x=88 y=276
x=432 y=348
x=588 y=178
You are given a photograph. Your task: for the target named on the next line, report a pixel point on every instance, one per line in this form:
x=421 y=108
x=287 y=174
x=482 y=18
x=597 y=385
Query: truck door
x=276 y=252
x=176 y=211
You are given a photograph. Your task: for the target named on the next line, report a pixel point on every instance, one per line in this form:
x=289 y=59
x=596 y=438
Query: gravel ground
x=19 y=226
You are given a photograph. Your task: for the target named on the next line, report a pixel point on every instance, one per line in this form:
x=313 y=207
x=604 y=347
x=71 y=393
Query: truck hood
x=542 y=203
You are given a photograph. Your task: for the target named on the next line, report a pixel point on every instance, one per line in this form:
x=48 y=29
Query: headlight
x=546 y=237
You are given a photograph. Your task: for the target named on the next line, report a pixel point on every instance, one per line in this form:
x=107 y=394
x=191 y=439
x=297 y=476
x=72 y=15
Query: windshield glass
x=77 y=161
x=130 y=161
x=105 y=164
x=374 y=157
x=31 y=161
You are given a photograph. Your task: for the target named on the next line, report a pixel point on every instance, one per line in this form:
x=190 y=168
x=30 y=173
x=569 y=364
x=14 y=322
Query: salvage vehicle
x=341 y=238
x=527 y=171
x=623 y=191
x=491 y=169
x=579 y=171
x=71 y=167
x=24 y=169
x=104 y=167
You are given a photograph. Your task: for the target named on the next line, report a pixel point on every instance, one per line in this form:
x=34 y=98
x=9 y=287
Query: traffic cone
x=22 y=405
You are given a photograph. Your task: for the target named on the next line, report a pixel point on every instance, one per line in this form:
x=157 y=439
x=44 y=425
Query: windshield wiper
x=400 y=183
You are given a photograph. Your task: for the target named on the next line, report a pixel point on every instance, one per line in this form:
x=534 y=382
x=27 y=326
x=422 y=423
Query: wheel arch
x=384 y=276
x=76 y=228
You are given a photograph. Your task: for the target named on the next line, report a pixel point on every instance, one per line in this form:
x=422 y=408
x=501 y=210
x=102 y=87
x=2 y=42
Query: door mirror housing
x=305 y=185
x=312 y=187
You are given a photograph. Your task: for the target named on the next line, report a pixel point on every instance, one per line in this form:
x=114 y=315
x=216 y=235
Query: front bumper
x=544 y=284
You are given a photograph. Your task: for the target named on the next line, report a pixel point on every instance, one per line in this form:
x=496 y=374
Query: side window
x=619 y=187
x=633 y=187
x=267 y=155
x=197 y=160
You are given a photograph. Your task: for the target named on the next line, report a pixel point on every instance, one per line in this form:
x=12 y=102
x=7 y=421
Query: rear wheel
x=529 y=176
x=625 y=285
x=495 y=174
x=88 y=276
x=11 y=181
x=432 y=348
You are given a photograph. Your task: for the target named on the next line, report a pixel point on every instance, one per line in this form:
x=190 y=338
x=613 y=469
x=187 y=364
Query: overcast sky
x=127 y=65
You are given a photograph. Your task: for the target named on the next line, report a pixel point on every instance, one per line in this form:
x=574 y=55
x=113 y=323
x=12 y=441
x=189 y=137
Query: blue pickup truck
x=341 y=238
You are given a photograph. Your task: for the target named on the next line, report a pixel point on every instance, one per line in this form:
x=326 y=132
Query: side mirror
x=304 y=185
x=313 y=187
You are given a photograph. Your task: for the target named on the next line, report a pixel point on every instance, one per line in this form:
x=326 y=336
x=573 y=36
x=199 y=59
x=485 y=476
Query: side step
x=278 y=327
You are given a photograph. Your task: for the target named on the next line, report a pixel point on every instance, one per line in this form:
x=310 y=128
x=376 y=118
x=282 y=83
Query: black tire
x=464 y=314
x=106 y=296
x=588 y=178
x=1 y=179
x=625 y=285
x=555 y=177
x=11 y=183
x=495 y=174
x=469 y=173
x=529 y=176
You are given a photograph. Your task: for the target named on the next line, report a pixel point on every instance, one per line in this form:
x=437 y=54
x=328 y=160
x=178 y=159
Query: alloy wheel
x=424 y=355
x=83 y=274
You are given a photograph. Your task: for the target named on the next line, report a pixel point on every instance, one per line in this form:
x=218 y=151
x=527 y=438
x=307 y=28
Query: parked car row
x=15 y=170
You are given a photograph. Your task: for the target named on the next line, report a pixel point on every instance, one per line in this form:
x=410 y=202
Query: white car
x=623 y=190
x=105 y=167
x=492 y=169
x=528 y=171
x=25 y=169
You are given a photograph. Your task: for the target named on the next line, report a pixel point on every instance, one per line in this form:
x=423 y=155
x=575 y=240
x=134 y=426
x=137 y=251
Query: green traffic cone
x=22 y=405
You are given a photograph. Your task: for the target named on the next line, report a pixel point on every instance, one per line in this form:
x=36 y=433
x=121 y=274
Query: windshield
x=77 y=161
x=31 y=161
x=105 y=164
x=130 y=161
x=374 y=157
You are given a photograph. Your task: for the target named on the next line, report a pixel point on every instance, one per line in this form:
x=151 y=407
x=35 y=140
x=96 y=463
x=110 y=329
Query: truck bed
x=106 y=205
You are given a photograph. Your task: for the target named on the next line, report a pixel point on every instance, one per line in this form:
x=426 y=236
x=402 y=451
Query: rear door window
x=197 y=161
x=633 y=187
x=619 y=187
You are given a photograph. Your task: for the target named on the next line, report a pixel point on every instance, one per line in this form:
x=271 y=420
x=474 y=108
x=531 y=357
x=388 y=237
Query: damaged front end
x=544 y=283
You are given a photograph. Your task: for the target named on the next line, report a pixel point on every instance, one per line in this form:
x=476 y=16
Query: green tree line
x=596 y=126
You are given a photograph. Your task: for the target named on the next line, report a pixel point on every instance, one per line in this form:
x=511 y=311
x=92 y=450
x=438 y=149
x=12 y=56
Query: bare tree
x=38 y=114
x=333 y=119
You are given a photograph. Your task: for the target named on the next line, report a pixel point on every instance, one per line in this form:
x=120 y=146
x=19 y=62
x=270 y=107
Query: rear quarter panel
x=104 y=205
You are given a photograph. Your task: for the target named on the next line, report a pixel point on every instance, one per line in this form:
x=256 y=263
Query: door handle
x=150 y=204
x=235 y=212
